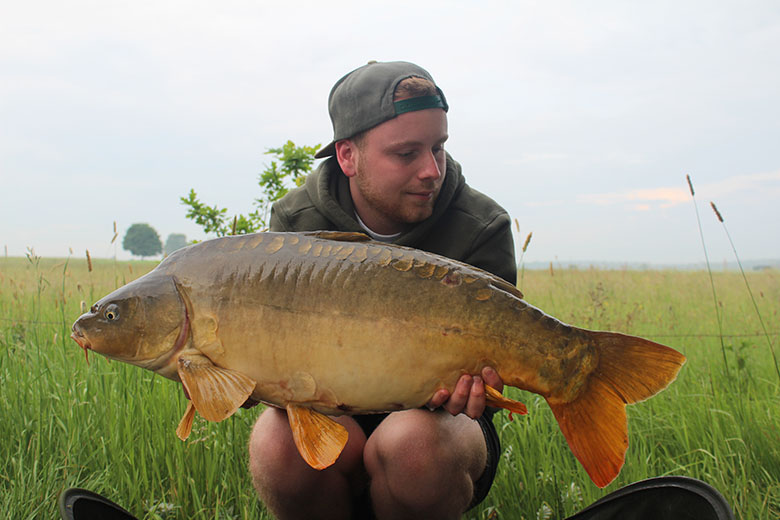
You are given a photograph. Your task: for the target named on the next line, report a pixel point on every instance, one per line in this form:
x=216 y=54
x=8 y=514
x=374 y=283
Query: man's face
x=398 y=169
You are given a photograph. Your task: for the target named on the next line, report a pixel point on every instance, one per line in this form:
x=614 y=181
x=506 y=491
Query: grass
x=109 y=427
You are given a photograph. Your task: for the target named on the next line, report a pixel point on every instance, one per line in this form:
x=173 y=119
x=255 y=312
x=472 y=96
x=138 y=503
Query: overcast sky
x=580 y=118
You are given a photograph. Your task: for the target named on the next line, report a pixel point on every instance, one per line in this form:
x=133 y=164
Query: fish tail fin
x=629 y=370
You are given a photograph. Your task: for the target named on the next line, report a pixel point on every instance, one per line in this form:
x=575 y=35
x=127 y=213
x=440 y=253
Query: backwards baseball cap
x=364 y=98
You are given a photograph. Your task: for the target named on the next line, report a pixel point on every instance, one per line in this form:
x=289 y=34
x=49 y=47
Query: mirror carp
x=330 y=323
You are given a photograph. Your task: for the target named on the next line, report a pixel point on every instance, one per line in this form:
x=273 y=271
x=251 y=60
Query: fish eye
x=112 y=312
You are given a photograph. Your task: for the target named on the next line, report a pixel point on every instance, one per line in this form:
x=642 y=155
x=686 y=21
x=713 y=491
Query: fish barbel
x=331 y=323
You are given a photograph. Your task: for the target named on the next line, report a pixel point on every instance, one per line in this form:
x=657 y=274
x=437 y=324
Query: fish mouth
x=78 y=336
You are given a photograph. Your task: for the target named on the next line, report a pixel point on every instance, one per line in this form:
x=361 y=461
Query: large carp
x=331 y=323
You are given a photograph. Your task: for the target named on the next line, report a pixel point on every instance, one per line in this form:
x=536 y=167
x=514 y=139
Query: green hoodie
x=465 y=225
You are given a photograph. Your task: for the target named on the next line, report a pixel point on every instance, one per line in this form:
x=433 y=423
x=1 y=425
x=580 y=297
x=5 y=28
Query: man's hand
x=469 y=394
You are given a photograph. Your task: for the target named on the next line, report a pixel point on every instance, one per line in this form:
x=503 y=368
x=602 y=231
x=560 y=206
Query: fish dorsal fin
x=494 y=398
x=185 y=425
x=502 y=284
x=216 y=392
x=319 y=438
x=341 y=236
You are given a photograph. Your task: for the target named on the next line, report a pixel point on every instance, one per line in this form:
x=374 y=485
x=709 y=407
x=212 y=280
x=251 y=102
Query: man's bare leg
x=288 y=487
x=424 y=464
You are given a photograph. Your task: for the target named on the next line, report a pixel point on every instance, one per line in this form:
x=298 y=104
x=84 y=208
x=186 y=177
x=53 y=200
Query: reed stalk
x=712 y=281
x=747 y=285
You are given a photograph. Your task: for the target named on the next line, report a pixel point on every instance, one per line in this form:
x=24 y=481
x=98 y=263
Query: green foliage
x=142 y=240
x=174 y=241
x=289 y=170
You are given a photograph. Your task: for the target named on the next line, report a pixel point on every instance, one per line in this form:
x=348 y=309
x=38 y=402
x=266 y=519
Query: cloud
x=758 y=182
x=764 y=184
x=665 y=197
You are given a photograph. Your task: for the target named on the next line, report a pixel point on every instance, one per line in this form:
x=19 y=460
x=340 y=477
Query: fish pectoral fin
x=319 y=438
x=341 y=236
x=204 y=335
x=494 y=398
x=216 y=392
x=185 y=425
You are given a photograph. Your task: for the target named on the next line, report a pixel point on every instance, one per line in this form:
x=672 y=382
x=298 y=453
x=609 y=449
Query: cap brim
x=327 y=151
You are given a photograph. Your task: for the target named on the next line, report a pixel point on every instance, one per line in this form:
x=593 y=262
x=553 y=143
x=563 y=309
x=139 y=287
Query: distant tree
x=275 y=181
x=173 y=242
x=142 y=240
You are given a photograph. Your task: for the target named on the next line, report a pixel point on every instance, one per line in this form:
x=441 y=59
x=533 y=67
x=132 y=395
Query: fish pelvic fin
x=185 y=425
x=216 y=392
x=494 y=398
x=630 y=369
x=319 y=438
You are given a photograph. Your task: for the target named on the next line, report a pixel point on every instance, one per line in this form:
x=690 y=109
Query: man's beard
x=400 y=208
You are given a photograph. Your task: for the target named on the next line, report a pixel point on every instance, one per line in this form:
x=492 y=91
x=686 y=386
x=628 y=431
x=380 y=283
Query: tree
x=275 y=181
x=142 y=240
x=173 y=242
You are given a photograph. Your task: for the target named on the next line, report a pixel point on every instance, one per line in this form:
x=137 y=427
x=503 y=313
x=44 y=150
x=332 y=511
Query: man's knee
x=276 y=465
x=421 y=458
x=270 y=449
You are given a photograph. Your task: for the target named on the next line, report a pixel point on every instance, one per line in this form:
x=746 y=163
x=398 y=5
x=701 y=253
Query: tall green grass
x=109 y=427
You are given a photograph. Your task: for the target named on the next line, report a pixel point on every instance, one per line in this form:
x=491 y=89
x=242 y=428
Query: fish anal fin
x=319 y=438
x=216 y=392
x=341 y=236
x=185 y=425
x=596 y=429
x=494 y=398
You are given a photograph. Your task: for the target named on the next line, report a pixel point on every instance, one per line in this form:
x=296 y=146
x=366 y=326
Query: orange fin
x=319 y=438
x=215 y=392
x=185 y=425
x=494 y=398
x=630 y=369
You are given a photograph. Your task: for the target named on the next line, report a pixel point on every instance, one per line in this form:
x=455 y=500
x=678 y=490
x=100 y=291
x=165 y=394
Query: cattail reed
x=712 y=281
x=747 y=285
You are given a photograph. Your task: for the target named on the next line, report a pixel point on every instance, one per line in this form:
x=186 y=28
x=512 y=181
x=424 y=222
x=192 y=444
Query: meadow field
x=109 y=427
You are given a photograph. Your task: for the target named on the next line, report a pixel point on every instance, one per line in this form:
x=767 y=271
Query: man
x=388 y=176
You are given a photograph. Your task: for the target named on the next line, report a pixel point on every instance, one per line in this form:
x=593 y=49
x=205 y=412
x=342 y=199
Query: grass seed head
x=89 y=262
x=717 y=213
x=690 y=184
x=527 y=241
